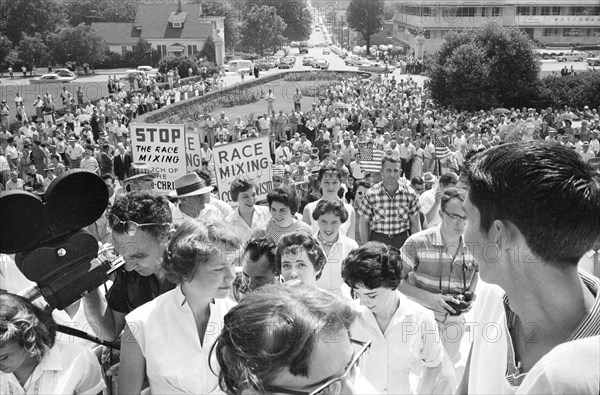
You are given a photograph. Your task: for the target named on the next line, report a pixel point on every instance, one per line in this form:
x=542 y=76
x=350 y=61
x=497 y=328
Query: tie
x=596 y=269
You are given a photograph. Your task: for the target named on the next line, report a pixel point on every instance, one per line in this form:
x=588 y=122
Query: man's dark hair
x=388 y=158
x=108 y=176
x=143 y=207
x=546 y=190
x=262 y=246
x=448 y=179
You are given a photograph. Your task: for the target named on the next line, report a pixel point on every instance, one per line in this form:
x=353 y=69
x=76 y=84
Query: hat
x=428 y=177
x=296 y=134
x=190 y=185
x=139 y=169
x=71 y=139
x=301 y=164
x=586 y=144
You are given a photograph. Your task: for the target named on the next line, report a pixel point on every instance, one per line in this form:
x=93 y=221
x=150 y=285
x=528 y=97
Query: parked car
x=290 y=59
x=573 y=56
x=326 y=51
x=264 y=64
x=133 y=74
x=307 y=60
x=354 y=60
x=51 y=78
x=64 y=73
x=321 y=64
x=593 y=61
x=376 y=67
x=274 y=59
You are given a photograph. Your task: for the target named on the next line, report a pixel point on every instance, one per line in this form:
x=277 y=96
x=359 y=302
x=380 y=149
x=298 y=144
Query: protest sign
x=248 y=159
x=193 y=146
x=162 y=147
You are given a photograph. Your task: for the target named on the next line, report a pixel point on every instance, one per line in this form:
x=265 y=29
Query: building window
x=189 y=50
x=427 y=33
x=526 y=10
x=550 y=32
x=194 y=49
x=177 y=25
x=572 y=32
x=123 y=49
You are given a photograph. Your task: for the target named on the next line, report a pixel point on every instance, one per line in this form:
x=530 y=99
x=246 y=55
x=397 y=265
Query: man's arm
x=364 y=228
x=415 y=223
x=430 y=215
x=109 y=323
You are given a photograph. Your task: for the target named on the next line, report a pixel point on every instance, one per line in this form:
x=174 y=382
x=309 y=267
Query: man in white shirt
x=263 y=124
x=283 y=152
x=74 y=153
x=407 y=151
x=270 y=100
x=594 y=143
x=585 y=152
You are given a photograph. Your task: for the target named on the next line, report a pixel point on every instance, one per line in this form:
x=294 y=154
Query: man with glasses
x=291 y=340
x=141 y=224
x=439 y=271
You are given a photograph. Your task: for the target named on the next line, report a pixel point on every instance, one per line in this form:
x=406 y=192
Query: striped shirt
x=387 y=214
x=590 y=326
x=426 y=256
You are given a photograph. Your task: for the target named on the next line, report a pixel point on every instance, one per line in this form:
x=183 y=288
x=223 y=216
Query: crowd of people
x=349 y=278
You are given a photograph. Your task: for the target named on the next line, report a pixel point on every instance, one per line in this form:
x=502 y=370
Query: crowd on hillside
x=376 y=233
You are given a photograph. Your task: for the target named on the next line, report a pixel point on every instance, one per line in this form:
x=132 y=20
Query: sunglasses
x=128 y=226
x=334 y=386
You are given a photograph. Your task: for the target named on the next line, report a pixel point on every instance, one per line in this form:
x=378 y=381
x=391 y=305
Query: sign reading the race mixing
x=162 y=147
x=248 y=159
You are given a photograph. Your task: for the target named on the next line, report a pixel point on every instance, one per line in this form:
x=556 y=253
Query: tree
x=295 y=13
x=499 y=60
x=32 y=50
x=5 y=46
x=208 y=50
x=262 y=29
x=144 y=54
x=365 y=17
x=78 y=44
x=88 y=11
x=182 y=65
x=30 y=17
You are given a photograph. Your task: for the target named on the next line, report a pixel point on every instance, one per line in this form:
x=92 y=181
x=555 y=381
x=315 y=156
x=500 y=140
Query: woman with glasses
x=32 y=362
x=403 y=333
x=329 y=216
x=330 y=180
x=168 y=339
x=300 y=257
x=248 y=216
x=291 y=340
x=283 y=205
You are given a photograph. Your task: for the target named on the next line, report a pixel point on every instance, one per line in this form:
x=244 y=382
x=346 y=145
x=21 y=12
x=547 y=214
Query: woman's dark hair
x=291 y=242
x=361 y=183
x=373 y=265
x=546 y=190
x=238 y=186
x=327 y=206
x=329 y=170
x=194 y=242
x=23 y=323
x=143 y=207
x=276 y=328
x=286 y=196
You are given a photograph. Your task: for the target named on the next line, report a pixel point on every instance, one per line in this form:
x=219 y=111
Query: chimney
x=179 y=7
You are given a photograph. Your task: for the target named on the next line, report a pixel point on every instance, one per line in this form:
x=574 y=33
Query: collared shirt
x=65 y=369
x=331 y=276
x=426 y=255
x=586 y=263
x=493 y=368
x=260 y=217
x=389 y=214
x=411 y=337
x=166 y=331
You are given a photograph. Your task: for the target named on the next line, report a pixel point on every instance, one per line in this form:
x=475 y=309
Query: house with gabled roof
x=172 y=29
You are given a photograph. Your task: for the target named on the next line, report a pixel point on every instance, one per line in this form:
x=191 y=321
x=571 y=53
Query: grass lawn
x=284 y=93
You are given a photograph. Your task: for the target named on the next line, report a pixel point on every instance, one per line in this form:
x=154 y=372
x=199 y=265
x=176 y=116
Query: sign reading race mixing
x=173 y=150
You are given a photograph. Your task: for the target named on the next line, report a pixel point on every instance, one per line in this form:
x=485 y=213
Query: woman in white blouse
x=330 y=181
x=248 y=216
x=168 y=339
x=330 y=215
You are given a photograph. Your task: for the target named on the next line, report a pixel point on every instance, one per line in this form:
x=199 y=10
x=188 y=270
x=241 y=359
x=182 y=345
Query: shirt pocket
x=379 y=214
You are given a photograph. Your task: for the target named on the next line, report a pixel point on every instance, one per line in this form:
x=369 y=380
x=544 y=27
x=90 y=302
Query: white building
x=549 y=22
x=172 y=29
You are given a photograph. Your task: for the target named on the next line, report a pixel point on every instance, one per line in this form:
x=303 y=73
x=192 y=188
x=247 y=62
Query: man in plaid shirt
x=389 y=212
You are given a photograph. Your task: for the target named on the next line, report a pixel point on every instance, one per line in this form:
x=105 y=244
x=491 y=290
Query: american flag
x=277 y=170
x=370 y=160
x=441 y=149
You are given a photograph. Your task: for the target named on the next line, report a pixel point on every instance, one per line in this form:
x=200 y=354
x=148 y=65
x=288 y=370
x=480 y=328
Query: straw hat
x=140 y=169
x=190 y=185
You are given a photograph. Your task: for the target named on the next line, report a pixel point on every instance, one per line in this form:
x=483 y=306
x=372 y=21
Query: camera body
x=465 y=300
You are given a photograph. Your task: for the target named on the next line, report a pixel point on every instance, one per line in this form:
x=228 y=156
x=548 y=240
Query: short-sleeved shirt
x=411 y=337
x=389 y=214
x=130 y=290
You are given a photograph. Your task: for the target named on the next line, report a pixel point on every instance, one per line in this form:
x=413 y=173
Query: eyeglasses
x=455 y=217
x=130 y=227
x=334 y=386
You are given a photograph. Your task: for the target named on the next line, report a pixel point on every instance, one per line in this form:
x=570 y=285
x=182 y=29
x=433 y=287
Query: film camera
x=465 y=300
x=47 y=237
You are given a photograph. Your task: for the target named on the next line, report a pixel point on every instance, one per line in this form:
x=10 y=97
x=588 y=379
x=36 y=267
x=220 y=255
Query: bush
x=241 y=55
x=323 y=76
x=181 y=64
x=579 y=90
